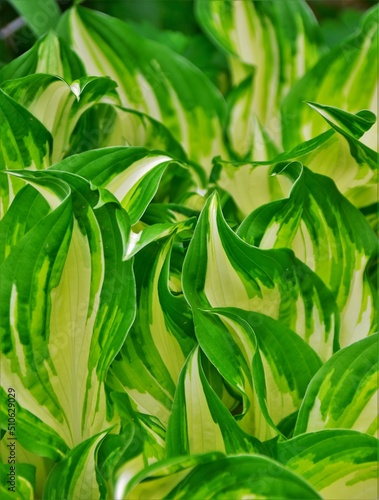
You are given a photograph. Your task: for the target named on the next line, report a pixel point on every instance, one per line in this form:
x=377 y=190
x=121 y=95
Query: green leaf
x=342 y=78
x=161 y=338
x=131 y=174
x=221 y=270
x=32 y=432
x=138 y=448
x=342 y=155
x=62 y=285
x=26 y=143
x=277 y=42
x=360 y=126
x=282 y=365
x=77 y=476
x=105 y=125
x=23 y=477
x=343 y=392
x=199 y=422
x=267 y=363
x=214 y=476
x=40 y=16
x=59 y=105
x=247 y=137
x=337 y=463
x=152 y=79
x=50 y=54
x=250 y=185
x=329 y=235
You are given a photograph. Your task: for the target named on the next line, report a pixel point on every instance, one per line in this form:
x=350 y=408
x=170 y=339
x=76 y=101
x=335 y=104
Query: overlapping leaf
x=213 y=475
x=337 y=463
x=151 y=79
x=343 y=78
x=199 y=422
x=328 y=234
x=155 y=351
x=107 y=125
x=343 y=394
x=343 y=156
x=25 y=143
x=59 y=105
x=25 y=482
x=76 y=476
x=221 y=270
x=140 y=443
x=276 y=42
x=249 y=185
x=62 y=327
x=50 y=54
x=132 y=175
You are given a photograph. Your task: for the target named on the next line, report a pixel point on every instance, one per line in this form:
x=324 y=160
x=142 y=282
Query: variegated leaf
x=21 y=482
x=343 y=156
x=140 y=443
x=151 y=79
x=277 y=42
x=106 y=125
x=343 y=393
x=337 y=463
x=247 y=138
x=132 y=175
x=25 y=143
x=59 y=105
x=250 y=185
x=329 y=235
x=62 y=323
x=199 y=422
x=342 y=78
x=50 y=54
x=155 y=351
x=221 y=270
x=77 y=475
x=263 y=360
x=212 y=475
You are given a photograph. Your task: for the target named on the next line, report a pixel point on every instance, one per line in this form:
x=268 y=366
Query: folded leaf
x=105 y=125
x=337 y=463
x=62 y=323
x=161 y=338
x=151 y=78
x=26 y=143
x=342 y=78
x=199 y=422
x=76 y=476
x=279 y=41
x=140 y=443
x=221 y=270
x=214 y=476
x=50 y=54
x=343 y=393
x=132 y=175
x=59 y=105
x=343 y=156
x=329 y=235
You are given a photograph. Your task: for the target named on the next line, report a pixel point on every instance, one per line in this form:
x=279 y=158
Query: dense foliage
x=188 y=299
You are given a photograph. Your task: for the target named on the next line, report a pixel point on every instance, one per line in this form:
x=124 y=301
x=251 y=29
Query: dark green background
x=173 y=22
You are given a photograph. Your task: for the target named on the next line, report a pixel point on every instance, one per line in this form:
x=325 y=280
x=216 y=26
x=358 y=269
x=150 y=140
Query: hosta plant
x=188 y=276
